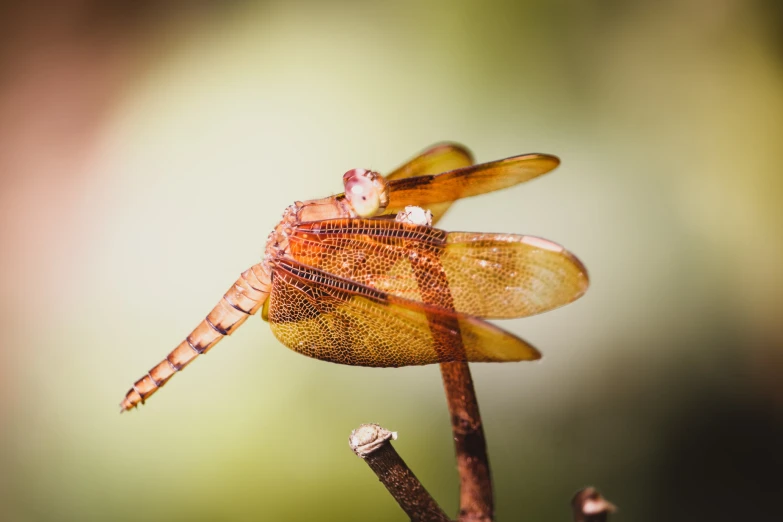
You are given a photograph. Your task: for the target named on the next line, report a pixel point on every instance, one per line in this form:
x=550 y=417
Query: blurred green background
x=147 y=149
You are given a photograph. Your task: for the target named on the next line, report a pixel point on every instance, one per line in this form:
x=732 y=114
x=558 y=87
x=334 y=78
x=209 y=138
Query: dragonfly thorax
x=366 y=195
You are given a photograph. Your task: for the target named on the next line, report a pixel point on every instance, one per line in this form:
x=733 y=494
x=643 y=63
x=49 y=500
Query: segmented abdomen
x=242 y=300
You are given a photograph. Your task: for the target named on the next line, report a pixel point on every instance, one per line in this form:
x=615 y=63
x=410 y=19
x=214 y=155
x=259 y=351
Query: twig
x=476 y=497
x=589 y=506
x=371 y=443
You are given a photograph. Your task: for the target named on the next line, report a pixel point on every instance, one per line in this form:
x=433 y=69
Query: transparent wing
x=333 y=319
x=481 y=274
x=425 y=191
x=440 y=158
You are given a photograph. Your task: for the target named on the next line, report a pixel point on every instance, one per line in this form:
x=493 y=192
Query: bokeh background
x=148 y=148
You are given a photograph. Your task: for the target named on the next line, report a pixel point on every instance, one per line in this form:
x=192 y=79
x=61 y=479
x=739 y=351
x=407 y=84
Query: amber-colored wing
x=334 y=319
x=439 y=158
x=442 y=157
x=486 y=275
x=425 y=191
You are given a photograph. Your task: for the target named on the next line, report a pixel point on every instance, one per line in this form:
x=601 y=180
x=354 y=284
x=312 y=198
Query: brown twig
x=371 y=443
x=476 y=497
x=589 y=506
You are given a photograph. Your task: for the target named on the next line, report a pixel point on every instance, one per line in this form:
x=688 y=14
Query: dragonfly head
x=366 y=191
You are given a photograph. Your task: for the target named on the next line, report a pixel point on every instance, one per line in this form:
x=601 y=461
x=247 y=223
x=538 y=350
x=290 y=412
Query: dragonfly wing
x=509 y=275
x=334 y=319
x=429 y=190
x=486 y=275
x=443 y=157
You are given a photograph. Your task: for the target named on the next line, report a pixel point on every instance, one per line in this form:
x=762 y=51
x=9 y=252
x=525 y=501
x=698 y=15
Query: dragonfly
x=364 y=278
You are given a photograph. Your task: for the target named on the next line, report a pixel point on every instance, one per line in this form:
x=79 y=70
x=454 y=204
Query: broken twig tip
x=589 y=506
x=371 y=443
x=368 y=438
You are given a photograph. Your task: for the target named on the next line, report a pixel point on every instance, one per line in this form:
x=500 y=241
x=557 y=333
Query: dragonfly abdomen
x=242 y=300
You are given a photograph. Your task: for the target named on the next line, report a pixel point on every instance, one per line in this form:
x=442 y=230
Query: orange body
x=342 y=282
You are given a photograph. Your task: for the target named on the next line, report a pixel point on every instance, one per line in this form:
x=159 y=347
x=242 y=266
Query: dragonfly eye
x=366 y=191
